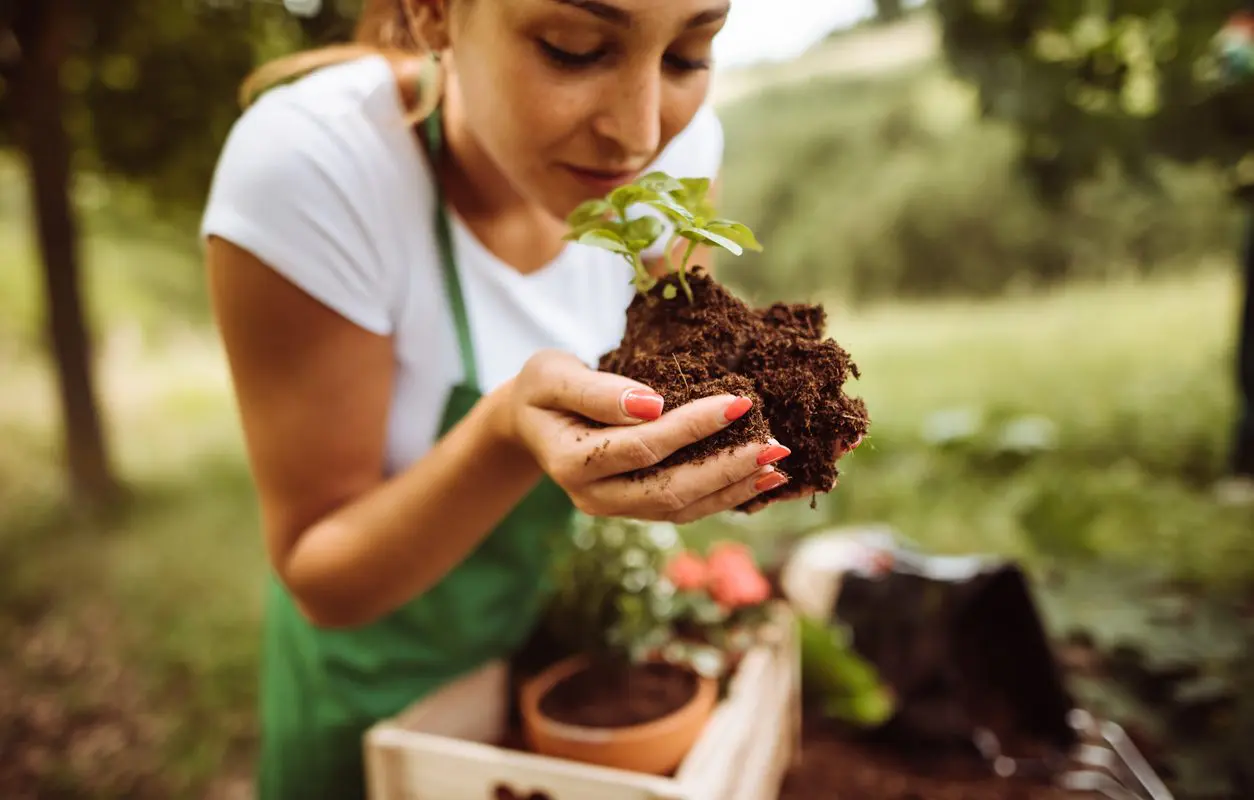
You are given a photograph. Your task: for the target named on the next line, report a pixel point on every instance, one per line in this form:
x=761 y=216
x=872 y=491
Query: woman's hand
x=794 y=492
x=547 y=412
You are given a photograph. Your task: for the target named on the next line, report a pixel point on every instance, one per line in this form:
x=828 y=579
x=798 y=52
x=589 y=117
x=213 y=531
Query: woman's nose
x=630 y=114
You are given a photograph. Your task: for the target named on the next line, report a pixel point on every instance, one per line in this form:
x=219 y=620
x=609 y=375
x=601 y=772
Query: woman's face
x=569 y=98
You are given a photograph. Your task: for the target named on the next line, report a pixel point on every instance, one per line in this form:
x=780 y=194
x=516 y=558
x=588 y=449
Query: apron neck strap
x=448 y=262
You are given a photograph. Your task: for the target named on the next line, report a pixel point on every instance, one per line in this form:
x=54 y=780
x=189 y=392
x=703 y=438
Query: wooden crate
x=442 y=748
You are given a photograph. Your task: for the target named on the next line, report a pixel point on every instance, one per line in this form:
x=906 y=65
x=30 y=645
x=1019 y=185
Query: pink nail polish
x=738 y=408
x=643 y=404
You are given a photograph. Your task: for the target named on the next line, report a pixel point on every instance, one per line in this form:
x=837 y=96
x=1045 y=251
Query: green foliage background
x=900 y=188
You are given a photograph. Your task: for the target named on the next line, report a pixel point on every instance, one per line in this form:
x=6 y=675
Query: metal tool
x=1109 y=764
x=1121 y=746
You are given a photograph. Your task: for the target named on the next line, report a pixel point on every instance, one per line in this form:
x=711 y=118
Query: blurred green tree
x=1092 y=81
x=138 y=89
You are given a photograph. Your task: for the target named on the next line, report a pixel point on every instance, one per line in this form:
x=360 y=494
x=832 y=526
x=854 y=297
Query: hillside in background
x=861 y=51
x=869 y=173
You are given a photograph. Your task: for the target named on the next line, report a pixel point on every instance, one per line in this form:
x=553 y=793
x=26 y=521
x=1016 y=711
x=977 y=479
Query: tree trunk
x=43 y=29
x=889 y=10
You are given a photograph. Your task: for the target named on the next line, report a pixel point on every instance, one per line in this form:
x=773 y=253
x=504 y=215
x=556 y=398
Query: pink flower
x=687 y=571
x=731 y=557
x=739 y=588
x=735 y=580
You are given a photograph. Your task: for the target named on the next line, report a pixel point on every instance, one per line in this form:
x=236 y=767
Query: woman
x=411 y=341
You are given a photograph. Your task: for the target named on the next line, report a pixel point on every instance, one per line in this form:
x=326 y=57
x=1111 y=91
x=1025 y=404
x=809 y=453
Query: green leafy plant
x=608 y=223
x=630 y=592
x=842 y=684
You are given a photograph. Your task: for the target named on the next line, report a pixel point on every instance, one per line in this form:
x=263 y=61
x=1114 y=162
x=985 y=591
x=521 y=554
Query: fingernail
x=771 y=453
x=769 y=481
x=643 y=404
x=738 y=408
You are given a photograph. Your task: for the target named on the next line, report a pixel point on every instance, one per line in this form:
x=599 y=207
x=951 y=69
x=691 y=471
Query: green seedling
x=604 y=223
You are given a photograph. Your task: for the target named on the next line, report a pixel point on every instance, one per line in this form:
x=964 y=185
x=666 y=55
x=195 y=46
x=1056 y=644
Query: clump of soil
x=613 y=697
x=776 y=356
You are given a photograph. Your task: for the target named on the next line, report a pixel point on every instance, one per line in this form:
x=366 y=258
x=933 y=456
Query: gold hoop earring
x=429 y=86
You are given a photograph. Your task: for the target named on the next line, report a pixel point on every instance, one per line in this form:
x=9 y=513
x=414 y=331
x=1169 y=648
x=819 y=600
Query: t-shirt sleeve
x=696 y=152
x=284 y=189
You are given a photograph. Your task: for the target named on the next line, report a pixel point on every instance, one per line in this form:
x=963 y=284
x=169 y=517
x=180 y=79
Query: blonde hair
x=386 y=27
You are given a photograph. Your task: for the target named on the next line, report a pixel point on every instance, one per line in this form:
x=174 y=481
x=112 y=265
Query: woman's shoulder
x=350 y=103
x=306 y=180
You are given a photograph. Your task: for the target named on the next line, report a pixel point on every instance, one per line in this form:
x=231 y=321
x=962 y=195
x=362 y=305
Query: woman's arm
x=314 y=392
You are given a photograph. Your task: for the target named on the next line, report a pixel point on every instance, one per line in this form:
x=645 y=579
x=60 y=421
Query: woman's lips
x=601 y=180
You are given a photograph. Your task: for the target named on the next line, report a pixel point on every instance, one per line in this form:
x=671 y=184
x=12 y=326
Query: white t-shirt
x=323 y=180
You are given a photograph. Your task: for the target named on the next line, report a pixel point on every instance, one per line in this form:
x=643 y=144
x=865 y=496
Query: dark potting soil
x=833 y=765
x=776 y=356
x=600 y=697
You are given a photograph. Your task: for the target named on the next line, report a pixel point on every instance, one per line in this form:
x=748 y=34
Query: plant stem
x=670 y=249
x=683 y=269
x=643 y=283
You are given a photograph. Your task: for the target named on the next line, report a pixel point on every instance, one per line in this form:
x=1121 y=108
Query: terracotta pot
x=655 y=748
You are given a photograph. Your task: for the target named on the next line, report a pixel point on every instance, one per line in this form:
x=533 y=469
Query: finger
x=693 y=482
x=564 y=383
x=618 y=451
x=757 y=504
x=661 y=495
x=762 y=480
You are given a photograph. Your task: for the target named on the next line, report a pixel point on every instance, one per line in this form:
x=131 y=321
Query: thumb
x=567 y=384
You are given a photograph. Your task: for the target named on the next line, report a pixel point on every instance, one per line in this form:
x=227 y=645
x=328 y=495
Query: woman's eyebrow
x=622 y=17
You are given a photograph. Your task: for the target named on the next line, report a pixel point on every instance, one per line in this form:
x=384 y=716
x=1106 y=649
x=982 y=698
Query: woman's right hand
x=547 y=411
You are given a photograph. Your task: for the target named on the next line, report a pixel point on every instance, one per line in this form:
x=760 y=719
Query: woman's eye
x=686 y=64
x=566 y=58
x=575 y=60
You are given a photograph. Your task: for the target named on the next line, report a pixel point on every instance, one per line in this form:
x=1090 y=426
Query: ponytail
x=386 y=27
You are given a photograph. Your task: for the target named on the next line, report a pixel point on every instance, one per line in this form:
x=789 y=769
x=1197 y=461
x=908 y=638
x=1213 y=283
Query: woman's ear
x=428 y=22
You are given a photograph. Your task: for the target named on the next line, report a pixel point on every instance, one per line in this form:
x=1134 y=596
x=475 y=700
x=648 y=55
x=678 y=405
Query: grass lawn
x=139 y=635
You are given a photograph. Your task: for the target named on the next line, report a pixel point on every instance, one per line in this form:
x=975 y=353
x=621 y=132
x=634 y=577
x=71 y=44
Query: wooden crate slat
x=443 y=748
x=474 y=708
x=727 y=722
x=762 y=767
x=706 y=773
x=423 y=767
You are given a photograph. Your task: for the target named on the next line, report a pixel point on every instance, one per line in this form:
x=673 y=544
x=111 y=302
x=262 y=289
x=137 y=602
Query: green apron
x=321 y=689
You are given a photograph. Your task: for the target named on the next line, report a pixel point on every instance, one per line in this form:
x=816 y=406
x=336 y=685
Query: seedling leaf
x=660 y=182
x=677 y=214
x=608 y=226
x=606 y=240
x=737 y=232
x=624 y=197
x=604 y=223
x=589 y=211
x=646 y=229
x=694 y=234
